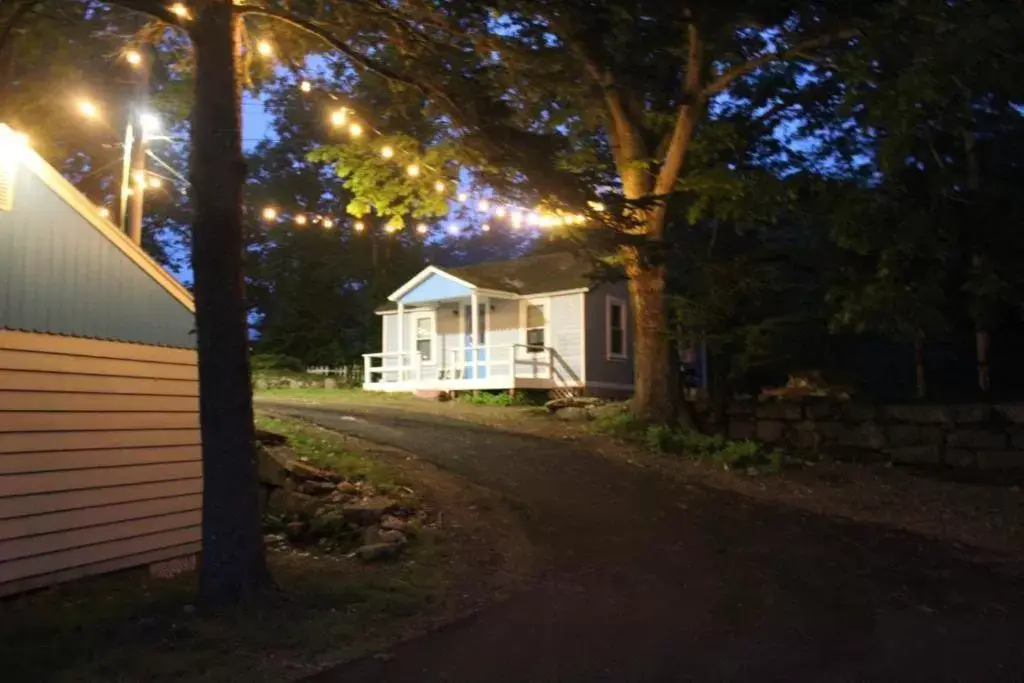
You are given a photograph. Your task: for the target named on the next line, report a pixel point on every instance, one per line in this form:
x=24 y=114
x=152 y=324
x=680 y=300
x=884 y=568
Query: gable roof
x=12 y=145
x=539 y=274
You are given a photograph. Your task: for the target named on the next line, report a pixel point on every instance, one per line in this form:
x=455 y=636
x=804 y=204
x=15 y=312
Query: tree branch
x=726 y=79
x=19 y=13
x=316 y=29
x=686 y=121
x=154 y=8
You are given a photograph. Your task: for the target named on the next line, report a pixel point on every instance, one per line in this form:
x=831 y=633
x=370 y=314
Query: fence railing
x=468 y=363
x=346 y=374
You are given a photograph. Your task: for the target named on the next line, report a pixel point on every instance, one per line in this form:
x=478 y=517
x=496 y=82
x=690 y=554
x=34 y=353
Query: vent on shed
x=7 y=184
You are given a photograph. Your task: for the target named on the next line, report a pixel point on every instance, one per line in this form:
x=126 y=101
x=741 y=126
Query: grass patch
x=695 y=446
x=131 y=627
x=326 y=450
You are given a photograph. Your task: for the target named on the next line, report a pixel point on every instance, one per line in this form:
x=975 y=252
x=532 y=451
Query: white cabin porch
x=446 y=334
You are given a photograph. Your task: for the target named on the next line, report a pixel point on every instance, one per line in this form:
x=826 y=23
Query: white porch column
x=474 y=306
x=401 y=341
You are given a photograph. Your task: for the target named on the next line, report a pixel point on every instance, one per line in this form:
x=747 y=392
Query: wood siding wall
x=99 y=457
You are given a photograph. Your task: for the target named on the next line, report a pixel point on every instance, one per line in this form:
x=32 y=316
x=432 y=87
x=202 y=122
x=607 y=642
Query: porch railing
x=509 y=361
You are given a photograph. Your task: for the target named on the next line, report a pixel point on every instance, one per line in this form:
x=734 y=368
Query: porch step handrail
x=500 y=360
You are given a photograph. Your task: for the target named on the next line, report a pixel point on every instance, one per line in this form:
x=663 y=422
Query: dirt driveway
x=652 y=579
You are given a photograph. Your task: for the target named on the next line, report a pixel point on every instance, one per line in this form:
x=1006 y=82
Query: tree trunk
x=653 y=378
x=922 y=386
x=982 y=342
x=234 y=566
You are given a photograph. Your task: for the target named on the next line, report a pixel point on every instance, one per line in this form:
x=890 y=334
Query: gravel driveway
x=652 y=579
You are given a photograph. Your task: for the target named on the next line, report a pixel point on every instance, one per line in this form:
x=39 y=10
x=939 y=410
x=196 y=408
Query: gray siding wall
x=58 y=274
x=600 y=368
x=566 y=327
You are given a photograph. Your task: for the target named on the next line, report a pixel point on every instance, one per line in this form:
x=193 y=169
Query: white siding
x=566 y=325
x=99 y=457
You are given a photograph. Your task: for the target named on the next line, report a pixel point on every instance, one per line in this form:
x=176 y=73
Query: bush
x=276 y=361
x=692 y=445
x=500 y=398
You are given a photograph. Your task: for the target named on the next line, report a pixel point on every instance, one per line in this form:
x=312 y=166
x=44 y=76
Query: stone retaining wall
x=987 y=437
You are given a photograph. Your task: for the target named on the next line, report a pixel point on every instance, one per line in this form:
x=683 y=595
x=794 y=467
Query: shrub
x=500 y=398
x=620 y=424
x=714 y=449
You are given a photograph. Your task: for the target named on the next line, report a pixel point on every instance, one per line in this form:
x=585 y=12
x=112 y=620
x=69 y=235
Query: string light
x=104 y=212
x=305 y=86
x=339 y=117
x=300 y=219
x=387 y=151
x=440 y=186
x=270 y=214
x=485 y=227
x=463 y=197
x=328 y=223
x=483 y=205
x=265 y=48
x=422 y=228
x=179 y=10
x=355 y=130
x=155 y=182
x=390 y=228
x=596 y=206
x=453 y=229
x=88 y=109
x=133 y=57
x=413 y=170
x=150 y=122
x=140 y=177
x=500 y=212
x=358 y=226
x=517 y=219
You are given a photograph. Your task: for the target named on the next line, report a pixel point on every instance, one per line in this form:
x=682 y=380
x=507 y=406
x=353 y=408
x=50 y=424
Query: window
x=536 y=323
x=616 y=328
x=425 y=337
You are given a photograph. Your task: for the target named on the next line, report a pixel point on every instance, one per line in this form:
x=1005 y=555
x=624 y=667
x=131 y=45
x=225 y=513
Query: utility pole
x=137 y=151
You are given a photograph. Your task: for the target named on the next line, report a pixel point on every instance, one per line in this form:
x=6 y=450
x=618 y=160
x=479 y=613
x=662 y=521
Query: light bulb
x=150 y=122
x=140 y=177
x=453 y=229
x=517 y=219
x=133 y=57
x=485 y=227
x=533 y=219
x=269 y=213
x=300 y=219
x=155 y=182
x=500 y=212
x=440 y=186
x=483 y=205
x=387 y=151
x=88 y=109
x=358 y=226
x=305 y=86
x=422 y=228
x=463 y=197
x=328 y=223
x=596 y=206
x=413 y=170
x=104 y=212
x=355 y=130
x=339 y=116
x=265 y=48
x=179 y=9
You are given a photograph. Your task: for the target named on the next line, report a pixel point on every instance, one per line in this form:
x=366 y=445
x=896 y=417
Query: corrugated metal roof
x=59 y=274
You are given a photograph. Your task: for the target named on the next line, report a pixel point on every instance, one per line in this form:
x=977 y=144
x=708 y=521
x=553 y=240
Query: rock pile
x=306 y=506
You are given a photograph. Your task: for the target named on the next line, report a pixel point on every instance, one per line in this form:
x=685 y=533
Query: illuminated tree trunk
x=653 y=392
x=234 y=566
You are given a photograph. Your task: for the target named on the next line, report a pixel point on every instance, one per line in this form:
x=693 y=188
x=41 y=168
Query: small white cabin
x=539 y=322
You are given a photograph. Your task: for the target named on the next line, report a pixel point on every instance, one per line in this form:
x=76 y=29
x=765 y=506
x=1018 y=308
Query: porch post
x=401 y=341
x=474 y=305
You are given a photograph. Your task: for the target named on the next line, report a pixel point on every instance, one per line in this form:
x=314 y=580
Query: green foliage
x=714 y=449
x=497 y=398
